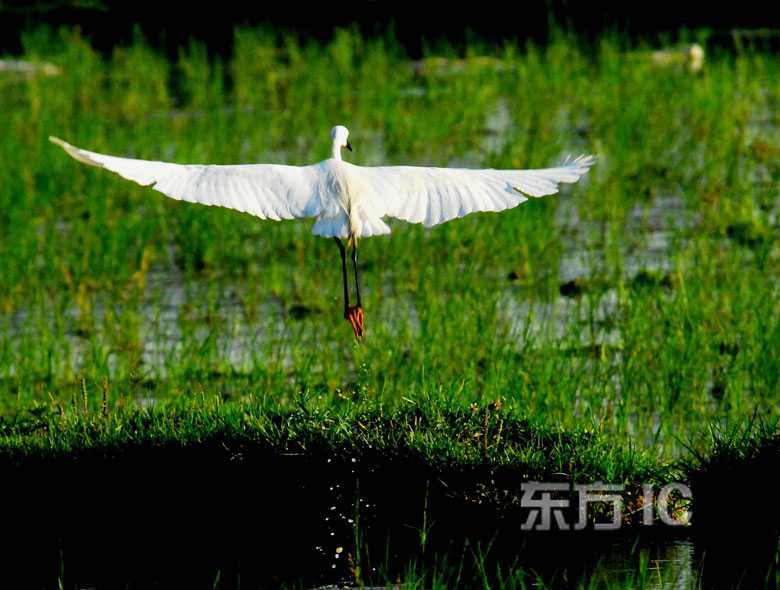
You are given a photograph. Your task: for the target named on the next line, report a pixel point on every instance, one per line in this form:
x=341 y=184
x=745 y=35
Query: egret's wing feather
x=267 y=191
x=435 y=195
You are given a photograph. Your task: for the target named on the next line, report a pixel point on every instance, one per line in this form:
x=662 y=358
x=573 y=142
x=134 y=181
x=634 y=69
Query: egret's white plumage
x=347 y=200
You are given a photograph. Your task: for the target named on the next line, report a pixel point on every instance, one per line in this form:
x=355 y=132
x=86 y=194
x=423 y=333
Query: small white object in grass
x=690 y=57
x=28 y=68
x=695 y=57
x=347 y=201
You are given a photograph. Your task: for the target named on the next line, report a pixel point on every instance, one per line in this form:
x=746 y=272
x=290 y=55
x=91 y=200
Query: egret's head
x=340 y=136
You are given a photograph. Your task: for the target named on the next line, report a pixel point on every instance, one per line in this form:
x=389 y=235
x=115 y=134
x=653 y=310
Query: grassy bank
x=427 y=494
x=434 y=433
x=269 y=497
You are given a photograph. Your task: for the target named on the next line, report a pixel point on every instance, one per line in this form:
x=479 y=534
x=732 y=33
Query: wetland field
x=181 y=399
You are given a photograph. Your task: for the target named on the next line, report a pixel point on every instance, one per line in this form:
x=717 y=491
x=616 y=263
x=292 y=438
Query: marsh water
x=289 y=527
x=673 y=565
x=223 y=327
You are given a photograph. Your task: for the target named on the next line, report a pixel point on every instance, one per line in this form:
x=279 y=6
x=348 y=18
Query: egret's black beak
x=349 y=147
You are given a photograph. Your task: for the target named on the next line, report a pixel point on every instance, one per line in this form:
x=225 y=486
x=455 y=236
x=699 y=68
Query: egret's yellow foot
x=355 y=317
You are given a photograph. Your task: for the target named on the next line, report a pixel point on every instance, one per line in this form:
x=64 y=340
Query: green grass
x=432 y=434
x=103 y=282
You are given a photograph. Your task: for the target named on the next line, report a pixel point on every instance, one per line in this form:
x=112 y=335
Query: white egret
x=348 y=201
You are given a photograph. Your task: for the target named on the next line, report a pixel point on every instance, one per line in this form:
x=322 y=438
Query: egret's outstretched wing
x=265 y=190
x=435 y=195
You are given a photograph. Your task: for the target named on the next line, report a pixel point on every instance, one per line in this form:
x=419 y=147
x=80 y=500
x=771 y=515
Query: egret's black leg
x=354 y=315
x=354 y=266
x=343 y=252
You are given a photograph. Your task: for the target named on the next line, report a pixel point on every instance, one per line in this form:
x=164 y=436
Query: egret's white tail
x=362 y=226
x=331 y=227
x=372 y=226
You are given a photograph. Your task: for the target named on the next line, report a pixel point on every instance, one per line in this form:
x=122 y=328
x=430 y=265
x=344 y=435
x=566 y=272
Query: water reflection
x=654 y=566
